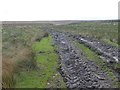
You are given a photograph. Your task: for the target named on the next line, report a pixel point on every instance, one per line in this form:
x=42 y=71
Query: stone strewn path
x=77 y=71
x=110 y=53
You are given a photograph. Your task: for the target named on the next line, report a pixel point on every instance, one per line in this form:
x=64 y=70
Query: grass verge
x=46 y=74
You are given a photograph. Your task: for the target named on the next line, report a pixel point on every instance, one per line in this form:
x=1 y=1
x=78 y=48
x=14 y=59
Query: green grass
x=101 y=63
x=110 y=42
x=47 y=63
x=117 y=66
x=44 y=45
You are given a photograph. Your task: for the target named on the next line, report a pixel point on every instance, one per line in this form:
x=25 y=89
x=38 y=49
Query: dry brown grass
x=8 y=68
x=24 y=60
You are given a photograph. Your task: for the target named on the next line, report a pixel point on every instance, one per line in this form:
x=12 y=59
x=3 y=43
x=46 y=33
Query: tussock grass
x=24 y=60
x=18 y=54
x=8 y=68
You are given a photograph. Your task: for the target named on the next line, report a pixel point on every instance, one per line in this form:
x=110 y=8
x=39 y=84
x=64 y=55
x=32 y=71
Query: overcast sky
x=12 y=10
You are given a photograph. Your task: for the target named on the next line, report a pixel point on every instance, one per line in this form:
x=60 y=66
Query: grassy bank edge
x=46 y=74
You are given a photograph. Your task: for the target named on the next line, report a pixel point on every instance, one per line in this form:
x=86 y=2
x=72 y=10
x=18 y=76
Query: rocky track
x=77 y=71
x=108 y=52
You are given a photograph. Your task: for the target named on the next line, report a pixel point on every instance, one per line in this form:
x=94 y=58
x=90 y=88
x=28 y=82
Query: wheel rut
x=108 y=52
x=77 y=71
